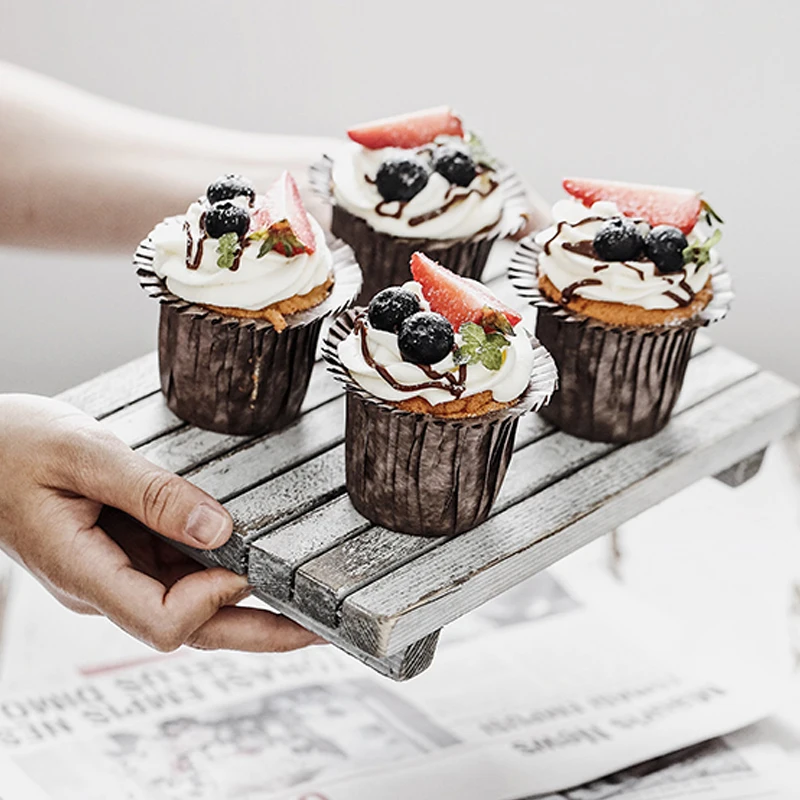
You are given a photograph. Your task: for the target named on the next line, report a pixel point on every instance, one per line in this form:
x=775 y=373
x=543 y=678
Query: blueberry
x=390 y=307
x=456 y=165
x=618 y=240
x=226 y=217
x=401 y=178
x=425 y=338
x=229 y=186
x=664 y=246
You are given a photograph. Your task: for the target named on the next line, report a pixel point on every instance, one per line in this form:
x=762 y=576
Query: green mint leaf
x=701 y=253
x=478 y=150
x=472 y=334
x=478 y=347
x=492 y=358
x=710 y=213
x=461 y=356
x=497 y=340
x=266 y=246
x=227 y=249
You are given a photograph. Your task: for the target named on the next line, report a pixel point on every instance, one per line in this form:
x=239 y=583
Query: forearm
x=81 y=172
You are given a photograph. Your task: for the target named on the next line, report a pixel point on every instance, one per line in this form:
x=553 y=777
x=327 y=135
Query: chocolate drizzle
x=453 y=201
x=582 y=248
x=380 y=208
x=566 y=294
x=586 y=248
x=193 y=260
x=438 y=380
x=560 y=227
x=639 y=272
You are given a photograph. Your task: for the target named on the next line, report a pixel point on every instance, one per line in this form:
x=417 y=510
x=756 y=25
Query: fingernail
x=207 y=525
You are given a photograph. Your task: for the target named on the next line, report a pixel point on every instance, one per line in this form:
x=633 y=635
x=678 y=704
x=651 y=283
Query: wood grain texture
x=279 y=501
x=188 y=448
x=544 y=456
x=401 y=666
x=117 y=388
x=465 y=572
x=381 y=596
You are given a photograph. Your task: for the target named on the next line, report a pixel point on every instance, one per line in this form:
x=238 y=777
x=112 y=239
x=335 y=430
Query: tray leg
x=743 y=471
x=402 y=666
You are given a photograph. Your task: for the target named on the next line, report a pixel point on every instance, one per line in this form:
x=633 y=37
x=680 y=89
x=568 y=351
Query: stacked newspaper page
x=548 y=690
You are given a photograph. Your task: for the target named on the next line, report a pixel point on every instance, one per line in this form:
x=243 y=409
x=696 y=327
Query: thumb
x=104 y=469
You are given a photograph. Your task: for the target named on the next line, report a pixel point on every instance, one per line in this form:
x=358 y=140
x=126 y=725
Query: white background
x=690 y=93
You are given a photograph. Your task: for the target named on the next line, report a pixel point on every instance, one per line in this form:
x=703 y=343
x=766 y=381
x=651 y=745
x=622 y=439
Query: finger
x=252 y=630
x=101 y=467
x=103 y=576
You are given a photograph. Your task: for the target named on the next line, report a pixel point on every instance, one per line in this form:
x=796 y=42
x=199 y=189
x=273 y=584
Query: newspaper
x=553 y=685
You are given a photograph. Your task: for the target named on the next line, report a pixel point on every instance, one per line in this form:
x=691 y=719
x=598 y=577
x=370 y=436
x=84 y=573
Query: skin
x=75 y=510
x=77 y=505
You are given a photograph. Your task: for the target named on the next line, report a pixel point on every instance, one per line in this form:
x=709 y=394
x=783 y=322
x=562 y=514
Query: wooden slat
x=275 y=557
x=190 y=447
x=464 y=572
x=279 y=501
x=144 y=421
x=401 y=666
x=322 y=584
x=261 y=459
x=113 y=390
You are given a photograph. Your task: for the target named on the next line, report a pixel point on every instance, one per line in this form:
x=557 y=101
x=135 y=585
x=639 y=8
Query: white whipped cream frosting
x=256 y=284
x=353 y=192
x=505 y=384
x=637 y=283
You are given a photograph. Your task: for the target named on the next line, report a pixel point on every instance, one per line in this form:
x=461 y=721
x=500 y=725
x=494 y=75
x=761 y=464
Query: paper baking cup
x=616 y=383
x=384 y=258
x=236 y=375
x=420 y=474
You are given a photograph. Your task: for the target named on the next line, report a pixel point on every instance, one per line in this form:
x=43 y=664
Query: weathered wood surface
x=382 y=596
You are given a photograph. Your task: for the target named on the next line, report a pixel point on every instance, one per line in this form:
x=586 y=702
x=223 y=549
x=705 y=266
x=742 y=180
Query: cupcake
x=622 y=282
x=418 y=182
x=244 y=281
x=437 y=372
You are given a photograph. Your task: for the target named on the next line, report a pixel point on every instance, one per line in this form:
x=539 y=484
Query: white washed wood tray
x=383 y=596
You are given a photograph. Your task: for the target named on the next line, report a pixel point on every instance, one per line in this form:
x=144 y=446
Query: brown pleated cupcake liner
x=420 y=474
x=236 y=375
x=616 y=383
x=385 y=258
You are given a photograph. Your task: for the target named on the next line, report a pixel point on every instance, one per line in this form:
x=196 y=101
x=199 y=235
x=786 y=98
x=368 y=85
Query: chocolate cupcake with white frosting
x=418 y=182
x=245 y=281
x=622 y=282
x=438 y=372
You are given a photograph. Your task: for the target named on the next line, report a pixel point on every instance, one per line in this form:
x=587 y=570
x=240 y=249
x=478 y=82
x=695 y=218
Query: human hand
x=65 y=483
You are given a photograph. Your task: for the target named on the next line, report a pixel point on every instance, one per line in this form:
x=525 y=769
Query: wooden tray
x=382 y=596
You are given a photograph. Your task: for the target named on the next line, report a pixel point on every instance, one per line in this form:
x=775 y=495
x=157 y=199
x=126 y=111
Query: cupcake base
x=237 y=374
x=417 y=474
x=248 y=381
x=614 y=386
x=421 y=474
x=384 y=259
x=617 y=383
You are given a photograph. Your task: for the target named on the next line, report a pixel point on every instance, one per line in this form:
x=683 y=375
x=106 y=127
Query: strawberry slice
x=461 y=299
x=281 y=222
x=659 y=205
x=408 y=130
